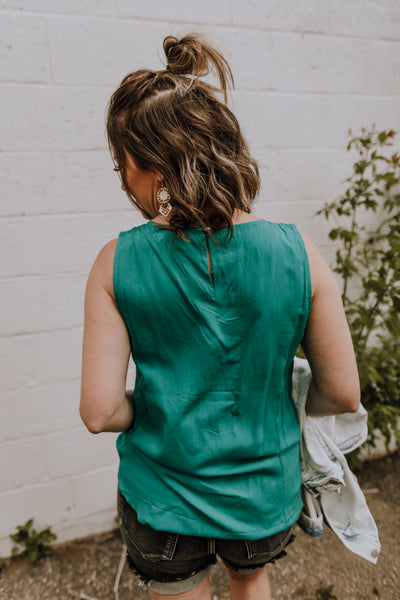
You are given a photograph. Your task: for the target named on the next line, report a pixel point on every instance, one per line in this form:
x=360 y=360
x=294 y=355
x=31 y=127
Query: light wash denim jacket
x=331 y=493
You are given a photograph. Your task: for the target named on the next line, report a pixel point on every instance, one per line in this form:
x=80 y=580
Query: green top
x=214 y=447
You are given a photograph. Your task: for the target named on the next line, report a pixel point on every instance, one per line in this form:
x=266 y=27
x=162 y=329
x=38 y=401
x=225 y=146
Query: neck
x=238 y=217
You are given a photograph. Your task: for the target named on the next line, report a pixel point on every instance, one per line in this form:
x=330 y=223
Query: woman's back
x=212 y=395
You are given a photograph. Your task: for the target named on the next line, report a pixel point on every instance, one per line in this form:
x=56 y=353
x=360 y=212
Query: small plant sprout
x=35 y=543
x=325 y=593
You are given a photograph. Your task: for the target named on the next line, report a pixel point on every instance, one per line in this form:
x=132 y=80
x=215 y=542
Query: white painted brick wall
x=379 y=20
x=291 y=15
x=39 y=410
x=306 y=71
x=101 y=52
x=45 y=350
x=311 y=120
x=28 y=464
x=75 y=452
x=76 y=7
x=42 y=303
x=58 y=183
x=51 y=118
x=67 y=237
x=178 y=11
x=95 y=491
x=295 y=62
x=20 y=35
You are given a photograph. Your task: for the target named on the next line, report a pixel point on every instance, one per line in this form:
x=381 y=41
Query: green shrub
x=34 y=543
x=368 y=262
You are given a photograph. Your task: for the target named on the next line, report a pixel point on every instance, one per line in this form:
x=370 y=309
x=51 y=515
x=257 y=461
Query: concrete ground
x=86 y=569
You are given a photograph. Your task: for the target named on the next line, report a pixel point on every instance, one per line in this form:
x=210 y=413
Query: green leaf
x=360 y=166
x=334 y=234
x=396 y=303
x=33 y=553
x=348 y=236
x=47 y=536
x=28 y=524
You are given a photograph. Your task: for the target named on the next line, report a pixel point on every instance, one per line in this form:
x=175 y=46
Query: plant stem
x=373 y=310
x=348 y=254
x=350 y=246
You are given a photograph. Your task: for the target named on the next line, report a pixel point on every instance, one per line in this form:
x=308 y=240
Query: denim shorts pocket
x=269 y=547
x=142 y=539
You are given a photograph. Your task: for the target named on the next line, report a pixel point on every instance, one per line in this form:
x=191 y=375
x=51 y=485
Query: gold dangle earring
x=163 y=197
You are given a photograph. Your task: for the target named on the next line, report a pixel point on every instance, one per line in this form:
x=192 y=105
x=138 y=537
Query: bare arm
x=105 y=405
x=328 y=346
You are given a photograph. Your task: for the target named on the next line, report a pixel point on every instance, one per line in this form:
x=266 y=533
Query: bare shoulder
x=107 y=253
x=103 y=266
x=321 y=274
x=312 y=250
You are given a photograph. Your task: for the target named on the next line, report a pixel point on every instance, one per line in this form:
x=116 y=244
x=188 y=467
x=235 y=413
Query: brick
x=298 y=62
x=59 y=183
x=88 y=525
x=44 y=358
x=284 y=120
x=297 y=175
x=113 y=48
x=39 y=410
x=57 y=244
x=34 y=304
x=51 y=118
x=384 y=68
x=95 y=491
x=90 y=7
x=206 y=11
x=379 y=20
x=56 y=355
x=25 y=55
x=77 y=451
x=15 y=363
x=21 y=463
x=291 y=15
x=295 y=120
x=49 y=504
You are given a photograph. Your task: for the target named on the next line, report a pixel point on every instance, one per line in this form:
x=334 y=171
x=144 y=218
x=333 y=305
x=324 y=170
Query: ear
x=159 y=176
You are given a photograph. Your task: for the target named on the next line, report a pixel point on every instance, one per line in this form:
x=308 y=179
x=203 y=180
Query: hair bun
x=186 y=56
x=192 y=55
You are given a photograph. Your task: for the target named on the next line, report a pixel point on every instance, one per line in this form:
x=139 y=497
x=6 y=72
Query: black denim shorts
x=171 y=563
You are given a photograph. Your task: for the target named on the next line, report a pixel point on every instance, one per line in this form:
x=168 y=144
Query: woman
x=212 y=303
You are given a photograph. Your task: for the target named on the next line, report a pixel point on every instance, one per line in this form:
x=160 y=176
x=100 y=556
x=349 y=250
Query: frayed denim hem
x=251 y=568
x=283 y=553
x=146 y=580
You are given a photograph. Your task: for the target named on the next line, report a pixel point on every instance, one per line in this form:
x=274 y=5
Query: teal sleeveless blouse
x=214 y=447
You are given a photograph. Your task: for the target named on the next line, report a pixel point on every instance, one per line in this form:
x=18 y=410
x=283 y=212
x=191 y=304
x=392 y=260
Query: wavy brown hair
x=173 y=121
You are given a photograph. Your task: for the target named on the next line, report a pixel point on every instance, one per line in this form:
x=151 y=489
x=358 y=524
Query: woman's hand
x=105 y=405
